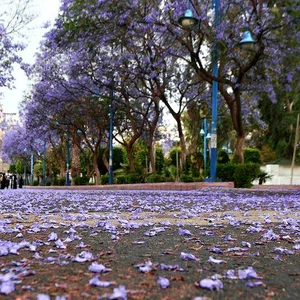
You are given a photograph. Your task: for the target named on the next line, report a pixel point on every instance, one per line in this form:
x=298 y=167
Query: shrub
x=223 y=157
x=226 y=171
x=252 y=155
x=241 y=174
x=35 y=183
x=121 y=179
x=186 y=178
x=84 y=180
x=105 y=179
x=245 y=174
x=152 y=178
x=134 y=178
x=61 y=181
x=267 y=154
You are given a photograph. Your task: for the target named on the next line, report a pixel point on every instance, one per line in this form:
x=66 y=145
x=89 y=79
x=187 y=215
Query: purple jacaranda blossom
x=119 y=293
x=188 y=256
x=52 y=237
x=229 y=238
x=230 y=274
x=84 y=256
x=7 y=287
x=145 y=267
x=97 y=282
x=296 y=247
x=170 y=267
x=208 y=233
x=98 y=268
x=81 y=245
x=270 y=235
x=246 y=244
x=215 y=261
x=216 y=250
x=59 y=244
x=282 y=251
x=163 y=282
x=138 y=242
x=211 y=284
x=254 y=229
x=252 y=284
x=184 y=232
x=43 y=297
x=237 y=249
x=248 y=273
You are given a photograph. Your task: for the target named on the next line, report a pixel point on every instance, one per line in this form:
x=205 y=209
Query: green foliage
x=84 y=180
x=223 y=157
x=241 y=174
x=35 y=182
x=252 y=155
x=19 y=167
x=267 y=154
x=121 y=179
x=226 y=171
x=105 y=179
x=135 y=178
x=159 y=160
x=12 y=169
x=152 y=178
x=245 y=174
x=60 y=181
x=186 y=178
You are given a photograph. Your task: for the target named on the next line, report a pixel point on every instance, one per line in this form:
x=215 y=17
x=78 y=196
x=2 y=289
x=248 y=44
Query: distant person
x=21 y=182
x=3 y=181
x=7 y=181
x=14 y=181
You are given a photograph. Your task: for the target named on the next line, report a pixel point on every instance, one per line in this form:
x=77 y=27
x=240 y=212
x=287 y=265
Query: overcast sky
x=46 y=10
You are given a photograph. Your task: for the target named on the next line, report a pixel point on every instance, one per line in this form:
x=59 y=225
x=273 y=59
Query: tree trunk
x=96 y=168
x=130 y=158
x=75 y=169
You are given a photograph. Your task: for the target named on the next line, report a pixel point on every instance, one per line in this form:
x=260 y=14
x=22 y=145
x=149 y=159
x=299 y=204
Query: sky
x=45 y=10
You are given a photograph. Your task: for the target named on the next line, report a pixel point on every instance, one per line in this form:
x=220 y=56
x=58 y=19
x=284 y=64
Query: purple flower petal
x=211 y=284
x=188 y=256
x=98 y=268
x=119 y=293
x=97 y=282
x=163 y=282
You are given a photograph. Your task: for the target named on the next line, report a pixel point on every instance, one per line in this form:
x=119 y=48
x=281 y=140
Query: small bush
x=84 y=180
x=152 y=178
x=226 y=171
x=121 y=179
x=187 y=178
x=105 y=179
x=245 y=174
x=223 y=157
x=135 y=178
x=35 y=183
x=61 y=181
x=241 y=174
x=252 y=155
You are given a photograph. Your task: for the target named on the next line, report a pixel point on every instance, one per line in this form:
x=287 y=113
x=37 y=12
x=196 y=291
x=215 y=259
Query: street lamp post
x=206 y=136
x=111 y=129
x=188 y=22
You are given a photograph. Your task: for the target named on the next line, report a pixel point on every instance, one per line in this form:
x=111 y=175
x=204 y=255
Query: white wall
x=282 y=174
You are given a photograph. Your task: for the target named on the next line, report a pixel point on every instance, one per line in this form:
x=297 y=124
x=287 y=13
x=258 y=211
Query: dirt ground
x=254 y=255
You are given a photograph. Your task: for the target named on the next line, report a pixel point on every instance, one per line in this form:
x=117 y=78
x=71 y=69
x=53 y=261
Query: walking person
x=14 y=181
x=21 y=182
x=3 y=182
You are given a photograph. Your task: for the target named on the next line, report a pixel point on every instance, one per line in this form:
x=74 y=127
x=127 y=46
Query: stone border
x=177 y=186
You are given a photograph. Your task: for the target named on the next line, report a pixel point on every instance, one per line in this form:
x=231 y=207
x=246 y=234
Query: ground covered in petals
x=205 y=244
